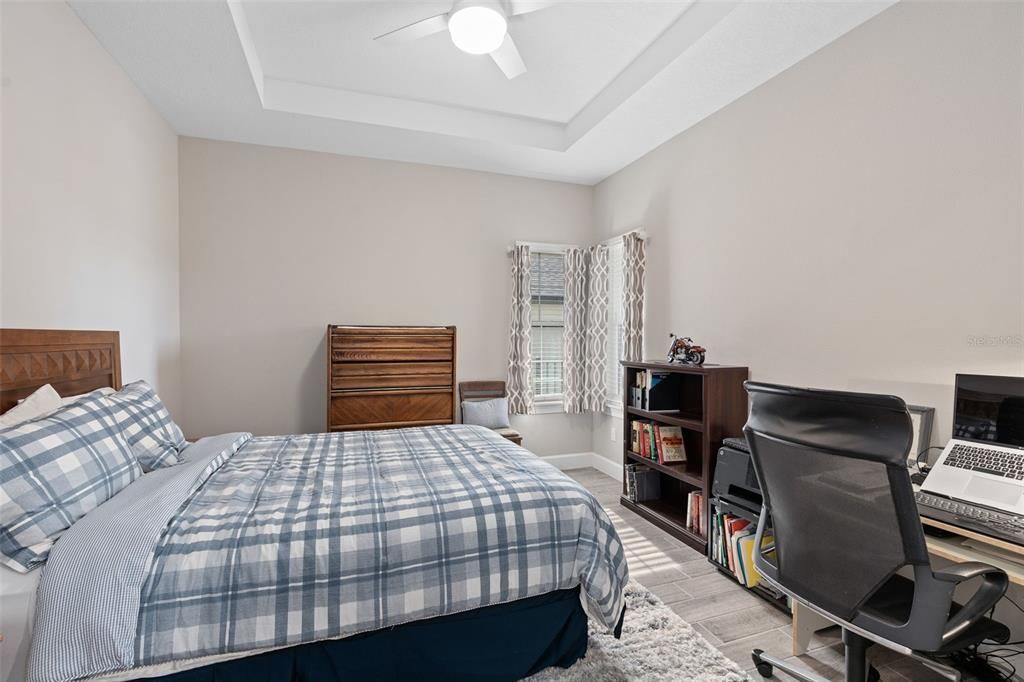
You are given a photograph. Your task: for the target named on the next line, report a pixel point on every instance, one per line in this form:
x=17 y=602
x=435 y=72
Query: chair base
x=857 y=667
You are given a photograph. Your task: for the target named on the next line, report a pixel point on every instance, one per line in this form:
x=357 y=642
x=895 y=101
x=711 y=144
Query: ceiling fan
x=476 y=27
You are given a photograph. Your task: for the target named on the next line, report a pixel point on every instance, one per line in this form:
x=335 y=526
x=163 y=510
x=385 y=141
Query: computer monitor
x=989 y=409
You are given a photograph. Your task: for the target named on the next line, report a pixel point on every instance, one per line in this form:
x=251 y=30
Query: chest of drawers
x=389 y=377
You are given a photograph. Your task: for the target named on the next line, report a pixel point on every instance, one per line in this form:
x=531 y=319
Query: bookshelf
x=707 y=404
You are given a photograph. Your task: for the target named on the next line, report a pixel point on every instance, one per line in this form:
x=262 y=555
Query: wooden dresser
x=389 y=377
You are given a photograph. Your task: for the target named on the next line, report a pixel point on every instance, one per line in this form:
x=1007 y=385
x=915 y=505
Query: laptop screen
x=989 y=409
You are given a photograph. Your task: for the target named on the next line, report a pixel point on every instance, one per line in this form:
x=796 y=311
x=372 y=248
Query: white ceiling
x=607 y=81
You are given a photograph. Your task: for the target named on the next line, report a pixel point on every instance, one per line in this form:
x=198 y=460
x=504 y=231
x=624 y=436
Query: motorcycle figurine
x=685 y=351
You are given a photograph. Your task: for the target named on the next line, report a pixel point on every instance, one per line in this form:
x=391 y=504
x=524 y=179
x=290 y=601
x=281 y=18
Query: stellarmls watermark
x=1005 y=340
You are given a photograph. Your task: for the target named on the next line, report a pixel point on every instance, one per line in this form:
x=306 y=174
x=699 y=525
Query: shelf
x=677 y=471
x=735 y=510
x=669 y=518
x=670 y=417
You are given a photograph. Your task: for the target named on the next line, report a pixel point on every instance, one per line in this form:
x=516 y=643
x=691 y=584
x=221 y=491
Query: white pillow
x=43 y=401
x=490 y=413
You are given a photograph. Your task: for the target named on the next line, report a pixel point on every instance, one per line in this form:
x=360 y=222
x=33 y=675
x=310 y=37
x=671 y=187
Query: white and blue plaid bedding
x=147 y=426
x=54 y=470
x=295 y=539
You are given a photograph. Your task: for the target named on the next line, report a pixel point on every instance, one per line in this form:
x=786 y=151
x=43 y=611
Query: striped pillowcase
x=147 y=426
x=53 y=471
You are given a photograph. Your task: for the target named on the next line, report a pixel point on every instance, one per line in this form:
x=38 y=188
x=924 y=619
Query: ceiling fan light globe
x=477 y=30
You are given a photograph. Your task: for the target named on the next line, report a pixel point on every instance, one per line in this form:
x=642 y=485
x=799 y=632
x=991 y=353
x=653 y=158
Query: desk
x=806 y=622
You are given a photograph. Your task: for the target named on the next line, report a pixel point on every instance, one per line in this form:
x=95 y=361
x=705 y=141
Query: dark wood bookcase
x=708 y=403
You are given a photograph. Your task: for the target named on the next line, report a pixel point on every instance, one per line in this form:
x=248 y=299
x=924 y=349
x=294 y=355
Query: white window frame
x=550 y=403
x=613 y=368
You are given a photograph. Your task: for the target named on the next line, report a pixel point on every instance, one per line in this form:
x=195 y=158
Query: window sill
x=548 y=406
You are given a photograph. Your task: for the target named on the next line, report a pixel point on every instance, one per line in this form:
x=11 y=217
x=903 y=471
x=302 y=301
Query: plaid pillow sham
x=54 y=470
x=147 y=426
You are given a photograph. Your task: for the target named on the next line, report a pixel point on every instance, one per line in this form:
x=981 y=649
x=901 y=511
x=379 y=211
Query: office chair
x=839 y=520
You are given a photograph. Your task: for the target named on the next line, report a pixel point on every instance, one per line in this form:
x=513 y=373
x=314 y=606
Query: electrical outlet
x=613 y=430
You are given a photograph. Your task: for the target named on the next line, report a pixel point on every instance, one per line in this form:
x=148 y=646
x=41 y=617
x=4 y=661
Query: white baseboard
x=575 y=460
x=606 y=466
x=582 y=460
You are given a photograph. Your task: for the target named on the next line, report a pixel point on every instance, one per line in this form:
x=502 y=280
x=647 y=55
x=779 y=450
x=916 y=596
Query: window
x=616 y=326
x=547 y=296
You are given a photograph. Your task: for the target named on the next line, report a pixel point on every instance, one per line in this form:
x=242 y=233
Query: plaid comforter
x=294 y=539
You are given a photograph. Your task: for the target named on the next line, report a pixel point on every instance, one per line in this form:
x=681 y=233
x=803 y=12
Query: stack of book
x=695 y=513
x=658 y=443
x=732 y=547
x=644 y=394
x=642 y=484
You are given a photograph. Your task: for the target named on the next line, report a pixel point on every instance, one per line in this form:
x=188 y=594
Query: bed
x=441 y=551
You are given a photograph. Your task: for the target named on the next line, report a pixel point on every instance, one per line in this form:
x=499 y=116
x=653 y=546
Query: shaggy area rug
x=656 y=645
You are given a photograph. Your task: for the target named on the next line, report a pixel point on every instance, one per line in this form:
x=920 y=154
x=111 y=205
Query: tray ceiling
x=607 y=81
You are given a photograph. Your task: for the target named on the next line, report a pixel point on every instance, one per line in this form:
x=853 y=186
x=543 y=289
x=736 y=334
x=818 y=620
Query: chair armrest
x=990 y=591
x=958 y=573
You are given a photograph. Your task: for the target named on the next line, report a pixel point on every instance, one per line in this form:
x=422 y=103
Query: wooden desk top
x=953 y=549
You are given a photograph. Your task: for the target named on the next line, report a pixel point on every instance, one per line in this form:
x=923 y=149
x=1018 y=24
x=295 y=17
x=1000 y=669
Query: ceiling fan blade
x=507 y=58
x=524 y=6
x=416 y=30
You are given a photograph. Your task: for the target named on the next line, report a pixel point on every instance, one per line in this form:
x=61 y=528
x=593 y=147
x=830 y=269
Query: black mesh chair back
x=832 y=467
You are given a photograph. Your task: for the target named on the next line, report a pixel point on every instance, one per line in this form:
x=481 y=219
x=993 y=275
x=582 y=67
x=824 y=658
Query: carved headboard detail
x=71 y=361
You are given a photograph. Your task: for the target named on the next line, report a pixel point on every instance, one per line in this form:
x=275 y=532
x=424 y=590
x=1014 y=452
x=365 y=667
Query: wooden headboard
x=71 y=361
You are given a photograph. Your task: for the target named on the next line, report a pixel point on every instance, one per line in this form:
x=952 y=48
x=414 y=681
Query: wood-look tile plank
x=705 y=606
x=739 y=624
x=671 y=593
x=739 y=650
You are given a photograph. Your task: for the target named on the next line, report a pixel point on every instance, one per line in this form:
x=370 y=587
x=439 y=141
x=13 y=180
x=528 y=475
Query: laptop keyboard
x=987 y=461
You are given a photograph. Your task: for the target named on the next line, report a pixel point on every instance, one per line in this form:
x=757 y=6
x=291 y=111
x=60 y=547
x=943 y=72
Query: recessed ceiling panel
x=572 y=51
x=608 y=81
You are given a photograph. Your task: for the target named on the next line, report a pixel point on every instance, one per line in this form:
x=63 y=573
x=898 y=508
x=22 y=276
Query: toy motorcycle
x=685 y=351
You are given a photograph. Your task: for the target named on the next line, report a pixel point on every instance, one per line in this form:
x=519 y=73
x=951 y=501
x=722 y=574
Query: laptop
x=984 y=462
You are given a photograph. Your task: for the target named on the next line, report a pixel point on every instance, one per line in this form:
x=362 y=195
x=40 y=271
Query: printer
x=735 y=482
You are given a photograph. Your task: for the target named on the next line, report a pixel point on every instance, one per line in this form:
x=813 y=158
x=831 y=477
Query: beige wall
x=90 y=195
x=853 y=222
x=276 y=244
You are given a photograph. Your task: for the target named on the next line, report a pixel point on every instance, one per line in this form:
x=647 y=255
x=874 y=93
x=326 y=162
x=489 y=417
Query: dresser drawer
x=391 y=347
x=391 y=408
x=349 y=375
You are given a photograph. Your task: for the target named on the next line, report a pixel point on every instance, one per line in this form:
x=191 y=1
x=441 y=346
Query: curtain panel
x=574 y=331
x=520 y=367
x=633 y=274
x=595 y=354
x=585 y=335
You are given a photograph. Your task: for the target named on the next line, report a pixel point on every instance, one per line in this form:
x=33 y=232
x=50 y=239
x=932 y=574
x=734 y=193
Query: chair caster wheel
x=764 y=669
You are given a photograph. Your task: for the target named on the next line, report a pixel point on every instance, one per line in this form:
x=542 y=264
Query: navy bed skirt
x=503 y=642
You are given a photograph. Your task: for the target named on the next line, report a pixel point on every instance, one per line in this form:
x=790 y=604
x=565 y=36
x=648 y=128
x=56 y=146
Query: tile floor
x=731 y=618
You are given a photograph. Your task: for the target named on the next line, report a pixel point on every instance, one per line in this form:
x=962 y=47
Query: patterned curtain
x=634 y=262
x=595 y=354
x=574 y=332
x=520 y=368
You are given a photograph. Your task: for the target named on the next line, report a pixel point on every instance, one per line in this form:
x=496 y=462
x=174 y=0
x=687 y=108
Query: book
x=634 y=442
x=746 y=554
x=740 y=570
x=670 y=444
x=652 y=441
x=733 y=525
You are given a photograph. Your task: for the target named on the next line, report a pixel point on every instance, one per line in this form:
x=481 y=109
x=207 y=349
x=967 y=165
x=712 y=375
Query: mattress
x=258 y=544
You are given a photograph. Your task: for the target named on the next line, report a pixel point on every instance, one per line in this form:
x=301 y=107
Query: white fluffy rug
x=656 y=645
